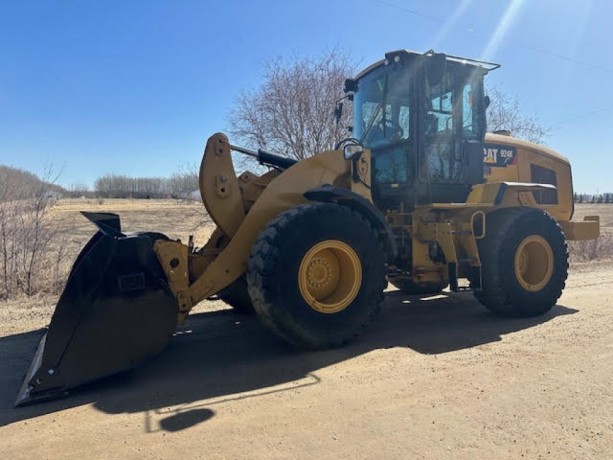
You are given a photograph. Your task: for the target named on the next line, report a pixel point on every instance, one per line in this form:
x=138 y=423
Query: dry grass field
x=179 y=219
x=175 y=218
x=432 y=378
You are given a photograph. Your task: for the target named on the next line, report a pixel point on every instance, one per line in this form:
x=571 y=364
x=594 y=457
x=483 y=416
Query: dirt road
x=429 y=379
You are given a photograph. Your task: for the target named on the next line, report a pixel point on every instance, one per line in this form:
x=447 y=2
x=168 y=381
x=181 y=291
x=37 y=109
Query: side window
x=376 y=123
x=371 y=113
x=440 y=112
x=542 y=175
x=468 y=127
x=440 y=132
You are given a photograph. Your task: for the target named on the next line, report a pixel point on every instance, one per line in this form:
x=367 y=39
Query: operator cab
x=423 y=118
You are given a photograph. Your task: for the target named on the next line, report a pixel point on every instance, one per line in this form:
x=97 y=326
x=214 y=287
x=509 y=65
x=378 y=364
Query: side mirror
x=351 y=86
x=436 y=65
x=487 y=101
x=352 y=151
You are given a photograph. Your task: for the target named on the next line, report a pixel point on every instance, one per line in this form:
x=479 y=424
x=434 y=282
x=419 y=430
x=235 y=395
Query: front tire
x=524 y=261
x=316 y=275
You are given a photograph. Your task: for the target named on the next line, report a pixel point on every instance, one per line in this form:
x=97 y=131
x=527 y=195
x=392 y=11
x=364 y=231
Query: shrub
x=28 y=263
x=598 y=249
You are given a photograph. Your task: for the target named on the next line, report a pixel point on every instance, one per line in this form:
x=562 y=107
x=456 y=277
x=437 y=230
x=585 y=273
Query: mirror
x=352 y=151
x=351 y=85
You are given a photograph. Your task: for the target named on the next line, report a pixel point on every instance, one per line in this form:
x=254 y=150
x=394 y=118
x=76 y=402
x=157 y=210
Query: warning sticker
x=498 y=155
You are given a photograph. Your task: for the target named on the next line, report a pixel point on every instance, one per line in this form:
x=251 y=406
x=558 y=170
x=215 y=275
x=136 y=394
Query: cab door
x=451 y=144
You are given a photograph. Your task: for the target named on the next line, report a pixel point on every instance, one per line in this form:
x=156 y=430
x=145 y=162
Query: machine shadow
x=224 y=355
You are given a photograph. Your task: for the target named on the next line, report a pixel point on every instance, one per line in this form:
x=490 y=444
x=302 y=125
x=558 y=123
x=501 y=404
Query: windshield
x=381 y=107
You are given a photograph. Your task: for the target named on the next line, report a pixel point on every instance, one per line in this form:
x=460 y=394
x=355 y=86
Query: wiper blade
x=371 y=122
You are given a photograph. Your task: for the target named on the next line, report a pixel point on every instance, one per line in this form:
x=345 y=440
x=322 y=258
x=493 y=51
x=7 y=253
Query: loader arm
x=219 y=186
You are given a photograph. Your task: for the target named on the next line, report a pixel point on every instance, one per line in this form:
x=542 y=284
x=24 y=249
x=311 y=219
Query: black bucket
x=116 y=310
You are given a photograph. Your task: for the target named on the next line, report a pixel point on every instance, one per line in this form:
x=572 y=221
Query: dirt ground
x=435 y=377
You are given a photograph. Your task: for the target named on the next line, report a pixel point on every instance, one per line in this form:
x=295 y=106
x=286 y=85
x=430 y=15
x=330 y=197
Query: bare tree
x=25 y=230
x=292 y=111
x=504 y=113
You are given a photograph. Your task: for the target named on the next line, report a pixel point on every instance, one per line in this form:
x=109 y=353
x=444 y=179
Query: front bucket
x=116 y=310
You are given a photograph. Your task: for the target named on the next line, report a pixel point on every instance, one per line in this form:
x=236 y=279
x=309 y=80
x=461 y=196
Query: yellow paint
x=589 y=229
x=533 y=263
x=330 y=276
x=219 y=185
x=529 y=154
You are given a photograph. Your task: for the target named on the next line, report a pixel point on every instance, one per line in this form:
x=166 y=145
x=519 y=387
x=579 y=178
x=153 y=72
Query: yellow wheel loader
x=419 y=197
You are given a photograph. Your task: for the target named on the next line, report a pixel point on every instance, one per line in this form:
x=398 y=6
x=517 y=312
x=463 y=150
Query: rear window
x=542 y=175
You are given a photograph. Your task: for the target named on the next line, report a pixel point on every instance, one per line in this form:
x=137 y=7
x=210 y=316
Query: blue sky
x=136 y=87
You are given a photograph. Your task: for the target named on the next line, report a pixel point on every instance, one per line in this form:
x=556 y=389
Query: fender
x=330 y=194
x=497 y=193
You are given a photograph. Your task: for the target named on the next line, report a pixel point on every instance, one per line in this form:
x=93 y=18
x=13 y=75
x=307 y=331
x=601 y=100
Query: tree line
x=17 y=184
x=598 y=198
x=180 y=185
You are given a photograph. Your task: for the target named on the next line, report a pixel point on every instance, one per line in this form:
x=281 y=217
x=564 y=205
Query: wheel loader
x=419 y=197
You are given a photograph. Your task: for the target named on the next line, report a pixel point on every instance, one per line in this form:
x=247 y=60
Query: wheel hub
x=330 y=276
x=534 y=263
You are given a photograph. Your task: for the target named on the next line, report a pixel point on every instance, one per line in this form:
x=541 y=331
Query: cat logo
x=498 y=155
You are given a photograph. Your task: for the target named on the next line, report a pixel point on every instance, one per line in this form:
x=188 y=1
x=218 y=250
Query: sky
x=136 y=87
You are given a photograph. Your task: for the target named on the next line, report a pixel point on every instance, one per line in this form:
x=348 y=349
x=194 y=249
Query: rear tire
x=524 y=259
x=316 y=275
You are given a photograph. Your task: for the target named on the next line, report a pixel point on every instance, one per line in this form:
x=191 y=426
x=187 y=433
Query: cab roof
x=392 y=55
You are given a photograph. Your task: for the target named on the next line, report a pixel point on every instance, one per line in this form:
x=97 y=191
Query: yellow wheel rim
x=534 y=263
x=330 y=276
